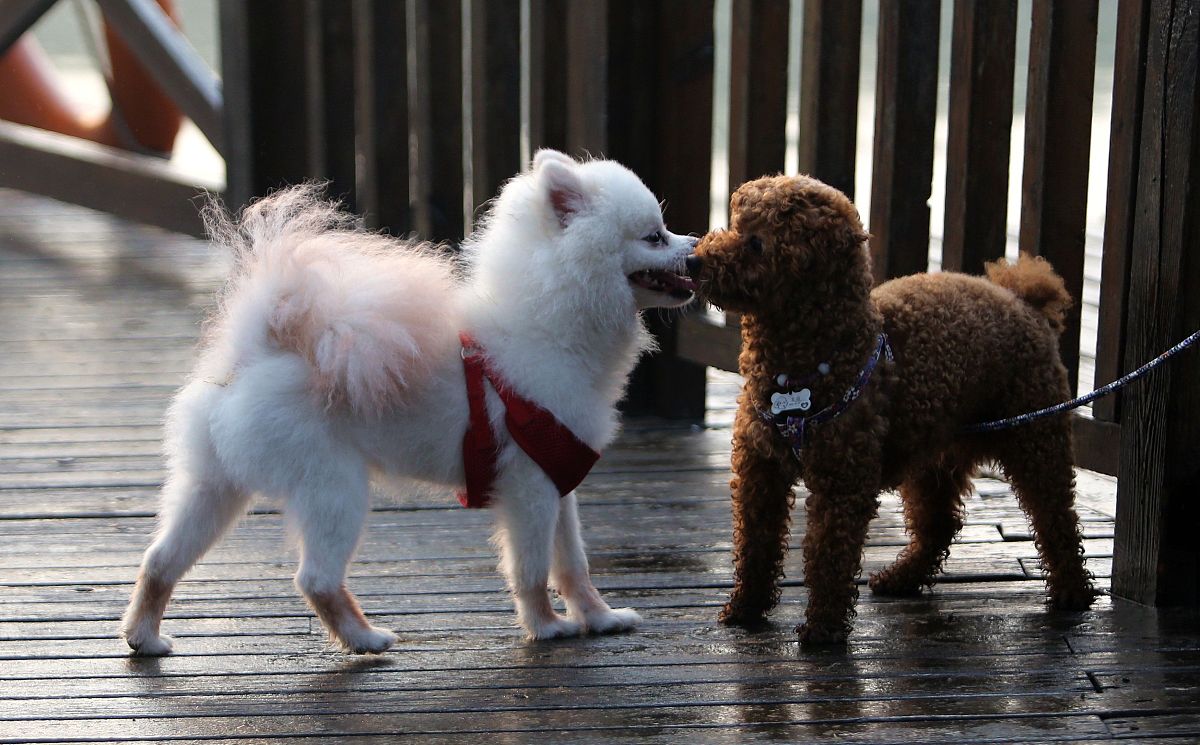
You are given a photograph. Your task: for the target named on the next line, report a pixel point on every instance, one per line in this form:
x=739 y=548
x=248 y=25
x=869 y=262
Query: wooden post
x=757 y=89
x=660 y=124
x=587 y=77
x=546 y=37
x=1156 y=559
x=829 y=91
x=267 y=125
x=329 y=96
x=494 y=88
x=981 y=86
x=435 y=106
x=1058 y=136
x=1129 y=75
x=381 y=114
x=905 y=114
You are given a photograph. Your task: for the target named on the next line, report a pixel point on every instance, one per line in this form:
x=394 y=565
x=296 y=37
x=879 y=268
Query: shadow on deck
x=97 y=323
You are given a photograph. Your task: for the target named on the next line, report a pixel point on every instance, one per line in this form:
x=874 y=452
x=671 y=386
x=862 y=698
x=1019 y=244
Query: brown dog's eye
x=754 y=244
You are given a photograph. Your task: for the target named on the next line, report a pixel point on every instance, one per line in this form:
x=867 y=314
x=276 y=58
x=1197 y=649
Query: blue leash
x=1080 y=401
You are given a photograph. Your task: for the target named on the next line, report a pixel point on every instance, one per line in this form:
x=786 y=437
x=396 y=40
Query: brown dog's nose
x=693 y=265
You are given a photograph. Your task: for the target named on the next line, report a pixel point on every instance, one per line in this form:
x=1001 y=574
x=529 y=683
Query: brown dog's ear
x=838 y=232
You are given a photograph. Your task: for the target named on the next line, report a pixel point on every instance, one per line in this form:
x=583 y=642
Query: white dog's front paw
x=560 y=627
x=148 y=645
x=371 y=640
x=612 y=620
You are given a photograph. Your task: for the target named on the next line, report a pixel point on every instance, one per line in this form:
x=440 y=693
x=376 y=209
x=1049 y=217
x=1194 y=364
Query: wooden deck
x=97 y=321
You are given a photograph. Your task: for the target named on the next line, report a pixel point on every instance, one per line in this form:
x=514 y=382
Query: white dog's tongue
x=663 y=281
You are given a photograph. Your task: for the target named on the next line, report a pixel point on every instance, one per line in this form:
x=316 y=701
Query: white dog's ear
x=562 y=185
x=548 y=154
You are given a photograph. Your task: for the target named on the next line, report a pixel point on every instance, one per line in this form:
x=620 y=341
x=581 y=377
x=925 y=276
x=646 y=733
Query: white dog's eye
x=654 y=238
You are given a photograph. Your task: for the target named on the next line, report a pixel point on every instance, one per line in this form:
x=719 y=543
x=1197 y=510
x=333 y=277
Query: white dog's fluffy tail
x=368 y=312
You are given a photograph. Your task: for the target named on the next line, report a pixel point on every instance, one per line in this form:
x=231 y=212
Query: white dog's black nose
x=693 y=264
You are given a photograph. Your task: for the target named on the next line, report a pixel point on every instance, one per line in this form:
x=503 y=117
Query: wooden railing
x=633 y=80
x=417 y=111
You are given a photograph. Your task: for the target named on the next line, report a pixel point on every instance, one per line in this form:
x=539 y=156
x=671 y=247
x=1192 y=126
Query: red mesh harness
x=548 y=442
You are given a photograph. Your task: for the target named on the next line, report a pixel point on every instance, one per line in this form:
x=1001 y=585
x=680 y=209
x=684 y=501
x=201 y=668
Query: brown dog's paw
x=823 y=636
x=737 y=615
x=1072 y=598
x=890 y=584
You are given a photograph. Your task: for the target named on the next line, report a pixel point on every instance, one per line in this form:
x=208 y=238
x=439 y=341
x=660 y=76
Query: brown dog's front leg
x=836 y=529
x=762 y=499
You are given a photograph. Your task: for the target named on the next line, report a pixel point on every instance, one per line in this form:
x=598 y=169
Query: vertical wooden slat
x=587 y=76
x=905 y=115
x=494 y=87
x=329 y=96
x=981 y=90
x=381 y=90
x=266 y=119
x=1058 y=136
x=1156 y=559
x=829 y=90
x=547 y=39
x=758 y=72
x=631 y=98
x=1129 y=72
x=569 y=75
x=435 y=107
x=660 y=125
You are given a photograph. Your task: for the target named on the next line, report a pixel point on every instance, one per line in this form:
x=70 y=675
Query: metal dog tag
x=800 y=400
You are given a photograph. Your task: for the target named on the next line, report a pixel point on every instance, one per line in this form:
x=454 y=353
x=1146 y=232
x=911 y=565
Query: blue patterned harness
x=795 y=428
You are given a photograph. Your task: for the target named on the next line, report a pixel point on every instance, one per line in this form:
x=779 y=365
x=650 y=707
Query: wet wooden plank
x=747 y=717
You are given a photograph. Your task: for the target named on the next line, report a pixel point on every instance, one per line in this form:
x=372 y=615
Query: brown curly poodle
x=795 y=264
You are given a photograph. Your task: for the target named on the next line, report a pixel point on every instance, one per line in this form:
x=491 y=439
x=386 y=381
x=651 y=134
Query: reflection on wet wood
x=93 y=341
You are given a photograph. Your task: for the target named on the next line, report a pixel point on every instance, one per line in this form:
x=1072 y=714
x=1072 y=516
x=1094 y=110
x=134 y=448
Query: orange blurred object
x=141 y=118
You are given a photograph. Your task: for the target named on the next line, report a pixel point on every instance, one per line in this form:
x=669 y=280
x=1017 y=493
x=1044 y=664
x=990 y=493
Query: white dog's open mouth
x=670 y=283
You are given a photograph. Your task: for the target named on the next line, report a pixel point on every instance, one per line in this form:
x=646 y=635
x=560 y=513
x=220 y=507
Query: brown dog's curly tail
x=1033 y=280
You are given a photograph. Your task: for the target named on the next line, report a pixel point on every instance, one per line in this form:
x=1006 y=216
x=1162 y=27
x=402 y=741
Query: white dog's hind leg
x=569 y=573
x=525 y=534
x=330 y=517
x=196 y=512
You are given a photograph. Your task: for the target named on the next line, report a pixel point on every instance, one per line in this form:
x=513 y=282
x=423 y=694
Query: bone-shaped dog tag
x=800 y=400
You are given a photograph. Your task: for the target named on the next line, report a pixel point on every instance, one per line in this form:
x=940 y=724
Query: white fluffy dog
x=336 y=355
